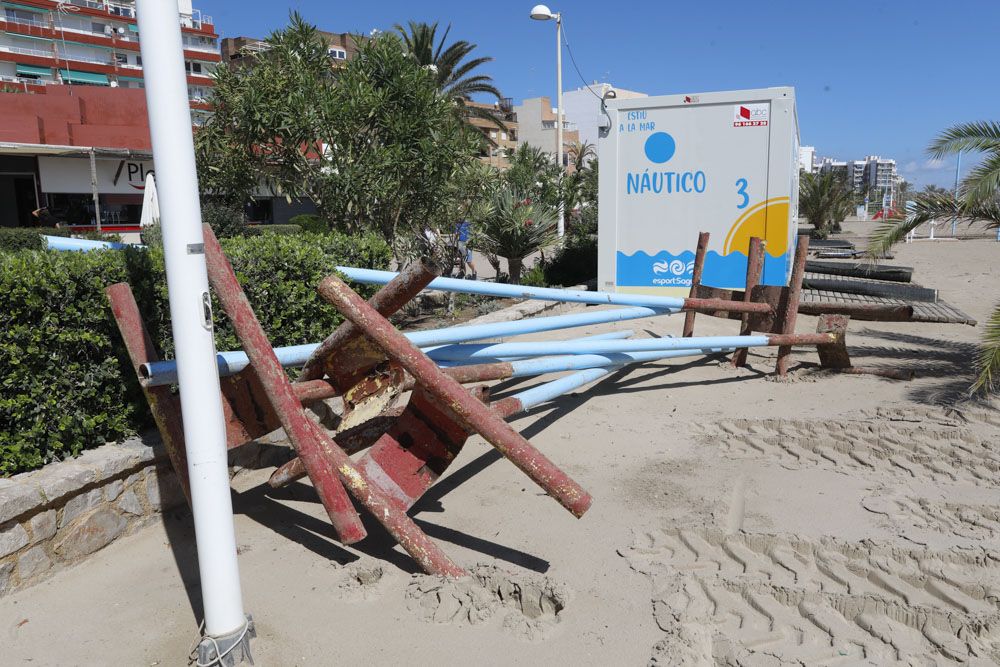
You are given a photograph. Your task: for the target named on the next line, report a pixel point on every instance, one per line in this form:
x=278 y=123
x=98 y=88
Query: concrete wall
x=77 y=116
x=583 y=108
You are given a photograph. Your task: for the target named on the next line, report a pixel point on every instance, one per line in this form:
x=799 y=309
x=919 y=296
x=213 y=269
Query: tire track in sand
x=749 y=599
x=922 y=444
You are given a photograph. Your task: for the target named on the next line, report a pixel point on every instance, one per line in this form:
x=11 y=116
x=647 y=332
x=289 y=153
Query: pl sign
x=676 y=165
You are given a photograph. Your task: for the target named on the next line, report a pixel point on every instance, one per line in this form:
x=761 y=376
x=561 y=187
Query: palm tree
x=580 y=152
x=514 y=227
x=977 y=200
x=453 y=71
x=825 y=200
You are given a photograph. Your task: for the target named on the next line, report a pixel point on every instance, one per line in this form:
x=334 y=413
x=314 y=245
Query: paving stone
x=114 y=489
x=13 y=536
x=89 y=533
x=32 y=562
x=61 y=479
x=18 y=498
x=109 y=460
x=43 y=525
x=79 y=504
x=5 y=573
x=129 y=503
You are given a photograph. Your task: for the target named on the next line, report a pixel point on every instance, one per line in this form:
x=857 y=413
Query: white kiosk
x=676 y=165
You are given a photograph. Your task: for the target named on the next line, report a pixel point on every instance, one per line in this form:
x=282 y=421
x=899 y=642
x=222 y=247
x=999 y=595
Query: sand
x=737 y=520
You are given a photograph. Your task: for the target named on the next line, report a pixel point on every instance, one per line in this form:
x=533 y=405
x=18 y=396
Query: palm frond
x=922 y=209
x=977 y=136
x=988 y=359
x=982 y=183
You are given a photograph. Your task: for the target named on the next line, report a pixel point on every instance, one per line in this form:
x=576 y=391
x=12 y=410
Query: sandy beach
x=737 y=520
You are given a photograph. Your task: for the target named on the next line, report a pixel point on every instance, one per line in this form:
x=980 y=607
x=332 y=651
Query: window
x=99 y=28
x=138 y=61
x=337 y=54
x=121 y=58
x=503 y=135
x=192 y=68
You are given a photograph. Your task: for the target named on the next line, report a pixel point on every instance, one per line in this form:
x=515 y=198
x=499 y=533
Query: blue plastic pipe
x=372 y=276
x=165 y=372
x=547 y=348
x=550 y=390
x=614 y=335
x=83 y=245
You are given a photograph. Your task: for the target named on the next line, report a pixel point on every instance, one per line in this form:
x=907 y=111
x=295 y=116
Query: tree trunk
x=514 y=266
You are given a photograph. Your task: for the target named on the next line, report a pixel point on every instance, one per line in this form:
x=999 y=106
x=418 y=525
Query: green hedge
x=310 y=222
x=574 y=263
x=279 y=229
x=27 y=238
x=65 y=380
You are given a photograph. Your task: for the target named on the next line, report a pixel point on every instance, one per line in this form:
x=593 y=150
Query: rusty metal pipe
x=394 y=295
x=472 y=412
x=319 y=453
x=871 y=312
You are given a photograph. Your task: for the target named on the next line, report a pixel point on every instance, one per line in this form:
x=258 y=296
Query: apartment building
x=583 y=108
x=95 y=43
x=501 y=139
x=340 y=46
x=536 y=119
x=807 y=159
x=879 y=173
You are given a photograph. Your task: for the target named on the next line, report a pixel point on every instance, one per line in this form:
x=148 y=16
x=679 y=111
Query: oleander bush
x=65 y=380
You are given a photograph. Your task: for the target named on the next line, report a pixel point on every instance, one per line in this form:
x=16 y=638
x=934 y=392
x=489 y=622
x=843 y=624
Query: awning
x=36 y=71
x=27 y=8
x=133 y=28
x=83 y=77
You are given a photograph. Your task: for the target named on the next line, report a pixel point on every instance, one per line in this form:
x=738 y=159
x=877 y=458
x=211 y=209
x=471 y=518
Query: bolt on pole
x=227 y=628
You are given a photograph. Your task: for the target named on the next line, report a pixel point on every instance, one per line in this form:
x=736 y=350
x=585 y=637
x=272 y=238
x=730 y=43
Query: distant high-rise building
x=340 y=46
x=807 y=158
x=95 y=43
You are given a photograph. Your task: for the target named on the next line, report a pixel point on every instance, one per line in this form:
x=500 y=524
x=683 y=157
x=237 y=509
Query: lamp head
x=541 y=13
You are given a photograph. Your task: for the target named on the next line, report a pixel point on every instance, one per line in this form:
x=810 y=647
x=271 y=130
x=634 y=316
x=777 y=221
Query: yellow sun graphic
x=767 y=220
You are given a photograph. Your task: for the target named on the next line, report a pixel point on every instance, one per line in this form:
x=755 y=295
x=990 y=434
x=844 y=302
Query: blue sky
x=871 y=77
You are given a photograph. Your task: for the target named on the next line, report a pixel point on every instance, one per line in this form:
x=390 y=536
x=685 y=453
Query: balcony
x=38 y=53
x=23 y=21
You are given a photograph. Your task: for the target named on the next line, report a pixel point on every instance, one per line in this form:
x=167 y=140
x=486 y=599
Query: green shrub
x=20 y=238
x=98 y=236
x=65 y=380
x=280 y=229
x=226 y=221
x=574 y=263
x=535 y=276
x=310 y=222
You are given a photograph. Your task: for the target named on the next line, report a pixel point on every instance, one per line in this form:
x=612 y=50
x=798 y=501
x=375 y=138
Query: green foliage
x=226 y=220
x=825 y=200
x=514 y=227
x=310 y=222
x=98 y=236
x=281 y=230
x=575 y=262
x=374 y=144
x=977 y=201
x=65 y=381
x=20 y=238
x=535 y=276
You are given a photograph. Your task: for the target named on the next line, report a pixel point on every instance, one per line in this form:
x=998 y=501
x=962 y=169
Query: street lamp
x=543 y=13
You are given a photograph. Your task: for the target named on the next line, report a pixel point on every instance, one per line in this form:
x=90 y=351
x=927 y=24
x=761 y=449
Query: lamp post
x=227 y=629
x=543 y=13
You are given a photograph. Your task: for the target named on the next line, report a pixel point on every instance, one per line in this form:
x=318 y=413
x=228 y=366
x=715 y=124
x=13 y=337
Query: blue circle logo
x=660 y=147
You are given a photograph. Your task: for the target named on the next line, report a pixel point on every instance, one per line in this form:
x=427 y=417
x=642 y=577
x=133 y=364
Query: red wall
x=77 y=116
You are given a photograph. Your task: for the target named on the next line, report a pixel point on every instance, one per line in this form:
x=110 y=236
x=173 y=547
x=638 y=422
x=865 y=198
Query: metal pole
x=603 y=347
x=559 y=122
x=229 y=363
x=562 y=295
x=958 y=171
x=93 y=189
x=227 y=628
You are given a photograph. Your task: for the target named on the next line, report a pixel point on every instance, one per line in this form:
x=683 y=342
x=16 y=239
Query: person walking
x=463 y=233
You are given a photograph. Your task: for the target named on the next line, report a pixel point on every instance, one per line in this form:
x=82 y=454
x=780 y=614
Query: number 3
x=741 y=189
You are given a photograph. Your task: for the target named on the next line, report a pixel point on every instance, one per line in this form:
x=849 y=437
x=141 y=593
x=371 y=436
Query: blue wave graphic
x=665 y=269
